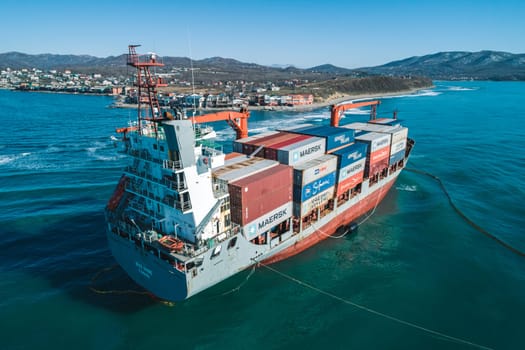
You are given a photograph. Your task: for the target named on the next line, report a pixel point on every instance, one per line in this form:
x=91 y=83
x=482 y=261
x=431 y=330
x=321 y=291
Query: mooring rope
x=242 y=283
x=465 y=217
x=429 y=331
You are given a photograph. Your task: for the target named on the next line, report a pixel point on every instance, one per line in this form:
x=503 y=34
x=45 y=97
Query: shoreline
x=339 y=98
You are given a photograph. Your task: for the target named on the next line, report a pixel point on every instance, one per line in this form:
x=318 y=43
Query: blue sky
x=345 y=33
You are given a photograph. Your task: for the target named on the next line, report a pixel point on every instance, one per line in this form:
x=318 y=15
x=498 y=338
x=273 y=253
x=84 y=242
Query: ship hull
x=167 y=282
x=147 y=270
x=339 y=221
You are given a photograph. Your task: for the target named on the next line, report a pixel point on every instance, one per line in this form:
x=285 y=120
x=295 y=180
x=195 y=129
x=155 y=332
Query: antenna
x=192 y=76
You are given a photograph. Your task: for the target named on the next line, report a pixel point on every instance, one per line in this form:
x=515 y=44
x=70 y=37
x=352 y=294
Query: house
x=300 y=99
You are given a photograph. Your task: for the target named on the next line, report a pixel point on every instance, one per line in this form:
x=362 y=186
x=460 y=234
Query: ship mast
x=146 y=85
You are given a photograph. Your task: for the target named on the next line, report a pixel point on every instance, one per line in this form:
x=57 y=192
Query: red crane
x=237 y=120
x=337 y=110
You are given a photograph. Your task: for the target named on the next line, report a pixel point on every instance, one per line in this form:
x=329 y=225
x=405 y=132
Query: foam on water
x=10 y=158
x=462 y=88
x=408 y=188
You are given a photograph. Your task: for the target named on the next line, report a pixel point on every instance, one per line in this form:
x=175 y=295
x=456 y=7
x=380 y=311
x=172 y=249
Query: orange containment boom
x=338 y=109
x=237 y=120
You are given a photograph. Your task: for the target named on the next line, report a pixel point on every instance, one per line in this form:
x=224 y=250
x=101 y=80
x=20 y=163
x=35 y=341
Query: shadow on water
x=69 y=253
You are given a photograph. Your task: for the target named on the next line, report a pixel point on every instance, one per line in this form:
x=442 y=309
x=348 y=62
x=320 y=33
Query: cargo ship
x=186 y=216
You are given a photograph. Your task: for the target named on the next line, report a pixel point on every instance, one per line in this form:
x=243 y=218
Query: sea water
x=415 y=259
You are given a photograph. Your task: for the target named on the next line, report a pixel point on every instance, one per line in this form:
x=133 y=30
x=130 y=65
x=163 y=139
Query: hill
x=482 y=65
x=208 y=69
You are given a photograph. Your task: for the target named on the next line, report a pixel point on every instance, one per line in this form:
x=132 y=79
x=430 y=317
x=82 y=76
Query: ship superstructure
x=185 y=216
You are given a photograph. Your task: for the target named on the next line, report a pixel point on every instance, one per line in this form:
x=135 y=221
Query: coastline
x=332 y=100
x=339 y=98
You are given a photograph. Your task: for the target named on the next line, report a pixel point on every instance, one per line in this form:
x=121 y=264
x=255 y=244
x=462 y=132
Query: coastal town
x=172 y=91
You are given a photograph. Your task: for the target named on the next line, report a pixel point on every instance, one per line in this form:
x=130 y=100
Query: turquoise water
x=415 y=259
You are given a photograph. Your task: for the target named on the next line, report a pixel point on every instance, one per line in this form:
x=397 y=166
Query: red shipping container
x=376 y=167
x=258 y=194
x=379 y=155
x=350 y=182
x=250 y=146
x=270 y=151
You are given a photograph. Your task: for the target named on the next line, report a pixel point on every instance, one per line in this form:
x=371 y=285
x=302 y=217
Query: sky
x=345 y=33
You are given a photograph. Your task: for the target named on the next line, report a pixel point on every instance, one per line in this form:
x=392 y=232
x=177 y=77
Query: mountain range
x=482 y=65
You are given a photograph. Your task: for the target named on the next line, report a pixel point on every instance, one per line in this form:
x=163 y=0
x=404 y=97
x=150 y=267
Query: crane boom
x=338 y=109
x=237 y=120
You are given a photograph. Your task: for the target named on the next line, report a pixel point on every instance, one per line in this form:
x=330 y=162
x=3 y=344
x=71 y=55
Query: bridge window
x=216 y=251
x=232 y=242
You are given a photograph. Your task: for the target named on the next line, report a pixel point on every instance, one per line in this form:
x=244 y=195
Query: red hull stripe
x=344 y=218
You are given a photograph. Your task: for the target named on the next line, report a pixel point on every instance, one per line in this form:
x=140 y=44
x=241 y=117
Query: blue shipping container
x=396 y=157
x=315 y=187
x=350 y=154
x=335 y=137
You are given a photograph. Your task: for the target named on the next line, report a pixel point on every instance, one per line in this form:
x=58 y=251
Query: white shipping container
x=314 y=169
x=398 y=132
x=239 y=170
x=314 y=202
x=267 y=221
x=398 y=146
x=376 y=140
x=302 y=151
x=351 y=170
x=367 y=127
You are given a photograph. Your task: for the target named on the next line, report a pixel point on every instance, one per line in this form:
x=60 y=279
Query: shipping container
x=254 y=196
x=385 y=121
x=233 y=155
x=335 y=137
x=351 y=169
x=351 y=154
x=238 y=144
x=268 y=221
x=350 y=182
x=264 y=142
x=307 y=206
x=379 y=155
x=250 y=146
x=396 y=157
x=363 y=126
x=232 y=158
x=397 y=132
x=245 y=167
x=302 y=193
x=375 y=168
x=375 y=141
x=398 y=146
x=303 y=151
x=314 y=169
x=270 y=150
